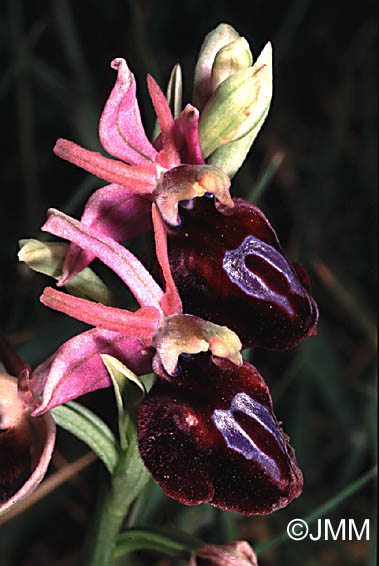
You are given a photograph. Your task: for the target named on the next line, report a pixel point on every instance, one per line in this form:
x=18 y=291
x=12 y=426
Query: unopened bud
x=222 y=35
x=238 y=106
x=234 y=57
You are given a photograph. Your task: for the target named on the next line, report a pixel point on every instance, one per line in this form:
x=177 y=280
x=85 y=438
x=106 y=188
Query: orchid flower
x=135 y=338
x=213 y=410
x=207 y=408
x=168 y=172
x=249 y=285
x=217 y=418
x=26 y=443
x=243 y=279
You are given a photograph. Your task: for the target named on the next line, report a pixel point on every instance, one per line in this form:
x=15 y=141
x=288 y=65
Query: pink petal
x=142 y=323
x=140 y=179
x=112 y=211
x=168 y=156
x=76 y=368
x=187 y=123
x=170 y=302
x=115 y=256
x=120 y=130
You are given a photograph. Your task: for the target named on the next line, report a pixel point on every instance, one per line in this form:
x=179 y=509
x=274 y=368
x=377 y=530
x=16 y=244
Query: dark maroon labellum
x=230 y=269
x=210 y=435
x=17 y=461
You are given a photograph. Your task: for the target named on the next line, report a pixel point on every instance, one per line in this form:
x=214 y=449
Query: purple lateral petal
x=141 y=179
x=120 y=130
x=187 y=123
x=142 y=324
x=171 y=302
x=230 y=269
x=115 y=256
x=26 y=445
x=112 y=211
x=76 y=368
x=186 y=136
x=217 y=418
x=168 y=157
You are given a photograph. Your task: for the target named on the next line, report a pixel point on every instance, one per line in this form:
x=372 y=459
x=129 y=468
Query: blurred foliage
x=321 y=198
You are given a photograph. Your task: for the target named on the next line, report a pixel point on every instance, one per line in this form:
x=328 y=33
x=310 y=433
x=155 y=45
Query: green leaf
x=89 y=428
x=48 y=258
x=175 y=90
x=119 y=375
x=265 y=178
x=167 y=541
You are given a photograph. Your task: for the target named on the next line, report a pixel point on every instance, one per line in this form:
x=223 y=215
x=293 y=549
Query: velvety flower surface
x=209 y=435
x=229 y=267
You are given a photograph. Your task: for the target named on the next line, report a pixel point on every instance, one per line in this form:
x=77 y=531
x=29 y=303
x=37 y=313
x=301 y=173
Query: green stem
x=128 y=480
x=102 y=544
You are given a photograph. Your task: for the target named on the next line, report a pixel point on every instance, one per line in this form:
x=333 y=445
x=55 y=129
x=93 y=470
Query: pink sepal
x=76 y=368
x=168 y=157
x=171 y=302
x=142 y=323
x=120 y=130
x=141 y=179
x=112 y=211
x=115 y=256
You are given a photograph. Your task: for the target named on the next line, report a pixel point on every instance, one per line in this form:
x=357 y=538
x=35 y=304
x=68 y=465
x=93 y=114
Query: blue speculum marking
x=251 y=283
x=237 y=438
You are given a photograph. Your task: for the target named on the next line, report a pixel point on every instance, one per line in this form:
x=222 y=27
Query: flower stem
x=128 y=480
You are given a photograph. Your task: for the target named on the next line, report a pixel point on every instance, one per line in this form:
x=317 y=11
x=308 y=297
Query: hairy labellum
x=210 y=436
x=229 y=268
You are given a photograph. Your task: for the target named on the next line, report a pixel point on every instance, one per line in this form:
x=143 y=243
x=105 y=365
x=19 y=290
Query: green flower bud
x=238 y=107
x=222 y=35
x=234 y=57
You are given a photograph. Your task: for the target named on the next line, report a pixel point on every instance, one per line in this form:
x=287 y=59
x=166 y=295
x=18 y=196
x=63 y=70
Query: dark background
x=322 y=201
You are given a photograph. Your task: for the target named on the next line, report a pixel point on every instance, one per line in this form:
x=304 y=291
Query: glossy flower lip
x=141 y=172
x=217 y=418
x=229 y=268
